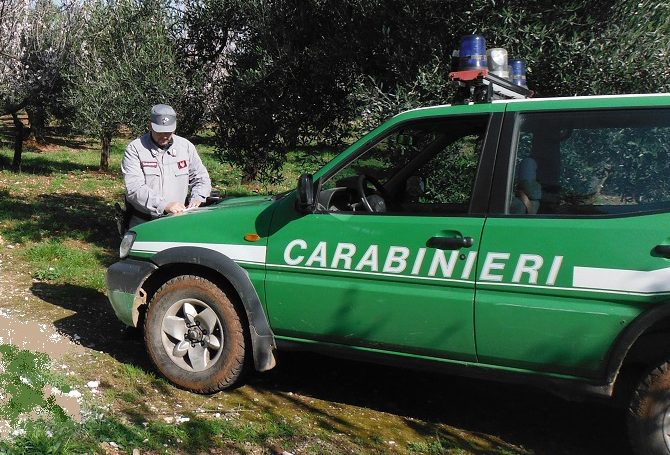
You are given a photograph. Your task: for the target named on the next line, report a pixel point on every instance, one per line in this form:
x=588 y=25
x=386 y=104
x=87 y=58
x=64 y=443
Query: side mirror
x=305 y=194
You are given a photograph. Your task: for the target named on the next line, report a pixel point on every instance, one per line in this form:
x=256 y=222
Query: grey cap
x=163 y=119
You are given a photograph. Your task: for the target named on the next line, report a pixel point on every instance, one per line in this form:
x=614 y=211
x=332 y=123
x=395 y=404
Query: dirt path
x=19 y=327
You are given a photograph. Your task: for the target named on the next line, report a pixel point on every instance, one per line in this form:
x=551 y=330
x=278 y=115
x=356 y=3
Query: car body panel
x=548 y=295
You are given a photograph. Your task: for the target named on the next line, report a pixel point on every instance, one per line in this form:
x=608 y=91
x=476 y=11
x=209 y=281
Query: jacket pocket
x=152 y=176
x=181 y=175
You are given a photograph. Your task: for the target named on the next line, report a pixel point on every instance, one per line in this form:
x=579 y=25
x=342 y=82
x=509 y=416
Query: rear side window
x=592 y=162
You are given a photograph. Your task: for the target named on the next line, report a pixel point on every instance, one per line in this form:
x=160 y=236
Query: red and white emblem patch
x=181 y=164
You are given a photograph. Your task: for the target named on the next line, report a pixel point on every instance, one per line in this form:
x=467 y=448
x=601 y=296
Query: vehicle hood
x=226 y=223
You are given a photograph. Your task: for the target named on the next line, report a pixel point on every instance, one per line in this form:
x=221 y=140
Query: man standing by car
x=159 y=168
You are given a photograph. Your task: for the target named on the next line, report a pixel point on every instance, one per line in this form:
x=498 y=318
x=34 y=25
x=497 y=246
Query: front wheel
x=194 y=335
x=649 y=413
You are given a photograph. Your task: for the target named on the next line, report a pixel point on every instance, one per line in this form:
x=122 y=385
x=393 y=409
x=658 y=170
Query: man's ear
x=149 y=125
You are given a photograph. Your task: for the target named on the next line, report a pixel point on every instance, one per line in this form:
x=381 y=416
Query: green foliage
x=379 y=103
x=552 y=40
x=49 y=437
x=126 y=64
x=195 y=434
x=288 y=83
x=274 y=76
x=23 y=377
x=311 y=71
x=36 y=39
x=49 y=53
x=450 y=176
x=630 y=54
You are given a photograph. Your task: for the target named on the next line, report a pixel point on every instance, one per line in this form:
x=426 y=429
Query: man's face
x=161 y=139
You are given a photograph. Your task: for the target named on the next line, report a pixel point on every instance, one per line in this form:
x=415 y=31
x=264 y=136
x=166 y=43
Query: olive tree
x=126 y=63
x=203 y=36
x=630 y=54
x=36 y=42
x=13 y=21
x=307 y=71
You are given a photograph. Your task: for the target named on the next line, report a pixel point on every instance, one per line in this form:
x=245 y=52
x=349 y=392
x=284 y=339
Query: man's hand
x=174 y=207
x=193 y=204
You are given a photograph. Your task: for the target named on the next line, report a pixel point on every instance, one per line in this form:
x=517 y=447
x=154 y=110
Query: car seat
x=527 y=190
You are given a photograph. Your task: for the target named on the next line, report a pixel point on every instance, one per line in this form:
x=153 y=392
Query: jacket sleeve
x=138 y=192
x=198 y=177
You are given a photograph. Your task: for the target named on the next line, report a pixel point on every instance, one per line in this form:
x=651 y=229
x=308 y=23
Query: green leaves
x=23 y=377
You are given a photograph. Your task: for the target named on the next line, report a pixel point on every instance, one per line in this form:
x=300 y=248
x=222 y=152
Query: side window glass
x=422 y=168
x=527 y=191
x=450 y=175
x=592 y=163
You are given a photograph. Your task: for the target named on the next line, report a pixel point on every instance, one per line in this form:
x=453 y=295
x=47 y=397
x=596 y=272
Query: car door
x=392 y=271
x=557 y=285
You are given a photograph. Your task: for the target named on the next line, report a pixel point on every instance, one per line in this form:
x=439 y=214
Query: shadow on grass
x=56 y=136
x=37 y=162
x=60 y=216
x=43 y=165
x=432 y=403
x=93 y=322
x=200 y=139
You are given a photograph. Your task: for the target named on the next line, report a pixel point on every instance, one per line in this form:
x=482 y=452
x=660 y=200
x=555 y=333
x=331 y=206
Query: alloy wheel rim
x=192 y=335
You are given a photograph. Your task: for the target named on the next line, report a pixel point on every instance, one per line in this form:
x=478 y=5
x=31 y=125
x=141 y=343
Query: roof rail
x=479 y=86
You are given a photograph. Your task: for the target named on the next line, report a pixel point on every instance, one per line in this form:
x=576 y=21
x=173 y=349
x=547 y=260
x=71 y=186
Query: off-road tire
x=225 y=362
x=649 y=413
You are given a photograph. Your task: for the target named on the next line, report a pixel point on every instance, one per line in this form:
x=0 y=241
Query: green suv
x=519 y=240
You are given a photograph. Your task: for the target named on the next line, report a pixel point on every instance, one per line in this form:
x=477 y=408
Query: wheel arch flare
x=197 y=260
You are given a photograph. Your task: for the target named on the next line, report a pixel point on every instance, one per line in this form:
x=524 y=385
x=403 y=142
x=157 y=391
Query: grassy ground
x=57 y=236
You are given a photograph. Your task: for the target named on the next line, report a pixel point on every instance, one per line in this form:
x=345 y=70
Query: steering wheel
x=361 y=184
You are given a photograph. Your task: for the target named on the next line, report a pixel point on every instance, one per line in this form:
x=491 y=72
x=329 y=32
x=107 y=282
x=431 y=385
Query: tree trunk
x=18 y=142
x=106 y=140
x=37 y=124
x=249 y=173
x=247 y=178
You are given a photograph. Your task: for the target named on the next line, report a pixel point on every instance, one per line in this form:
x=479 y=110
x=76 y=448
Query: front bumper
x=124 y=281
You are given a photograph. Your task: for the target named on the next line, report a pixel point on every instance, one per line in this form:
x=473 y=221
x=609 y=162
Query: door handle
x=662 y=250
x=449 y=243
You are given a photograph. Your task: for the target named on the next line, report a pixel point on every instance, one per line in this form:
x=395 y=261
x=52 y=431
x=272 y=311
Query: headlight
x=126 y=244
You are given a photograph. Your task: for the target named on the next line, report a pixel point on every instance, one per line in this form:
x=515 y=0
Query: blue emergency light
x=518 y=68
x=472 y=53
x=477 y=82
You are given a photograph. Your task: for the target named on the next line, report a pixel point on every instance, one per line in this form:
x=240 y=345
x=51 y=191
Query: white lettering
x=343 y=252
x=530 y=264
x=440 y=260
x=553 y=271
x=318 y=255
x=418 y=261
x=289 y=248
x=370 y=259
x=469 y=264
x=396 y=259
x=442 y=264
x=490 y=264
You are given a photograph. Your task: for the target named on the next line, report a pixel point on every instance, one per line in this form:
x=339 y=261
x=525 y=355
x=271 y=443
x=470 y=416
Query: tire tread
x=645 y=439
x=231 y=375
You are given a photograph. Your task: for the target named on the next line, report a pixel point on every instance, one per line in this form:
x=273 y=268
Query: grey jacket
x=156 y=177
